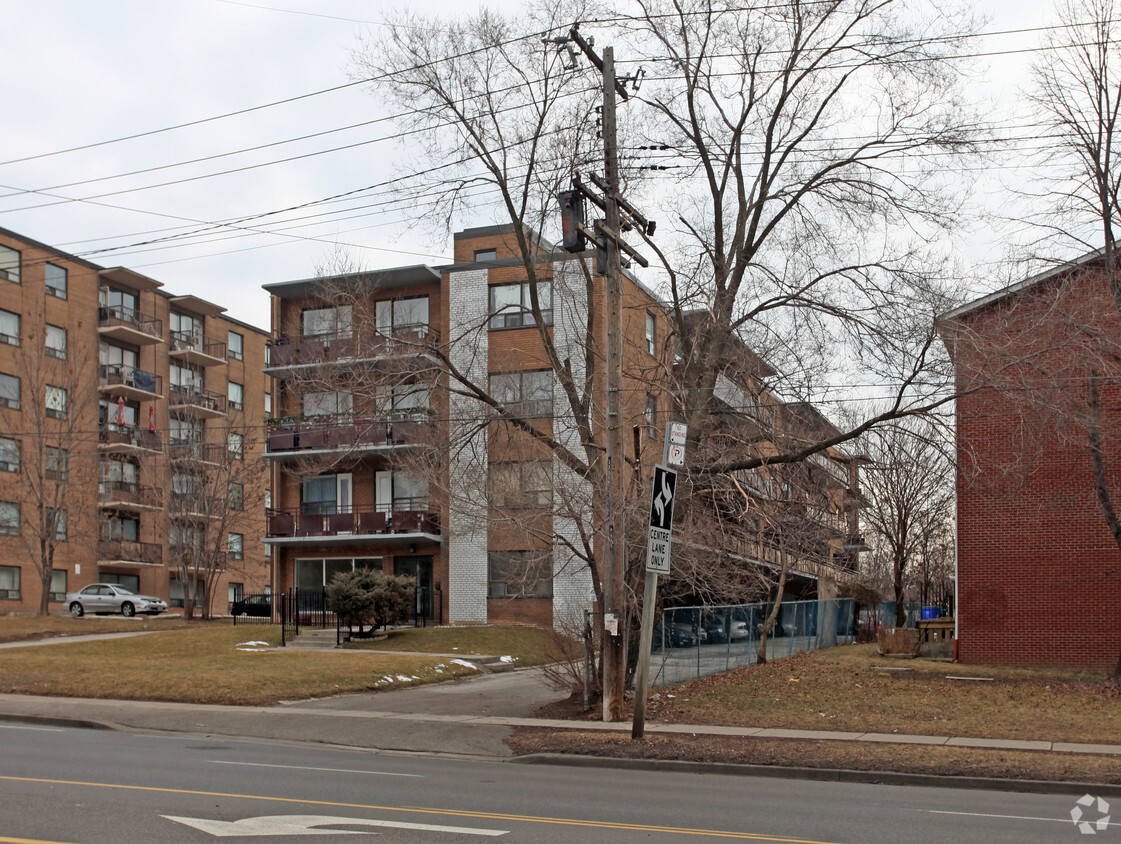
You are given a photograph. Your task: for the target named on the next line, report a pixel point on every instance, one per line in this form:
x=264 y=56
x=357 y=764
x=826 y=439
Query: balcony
x=190 y=401
x=408 y=522
x=117 y=322
x=312 y=349
x=331 y=435
x=196 y=348
x=128 y=552
x=127 y=495
x=120 y=381
x=126 y=438
x=187 y=453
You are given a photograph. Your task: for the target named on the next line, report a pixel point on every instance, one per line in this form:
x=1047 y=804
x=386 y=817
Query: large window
x=9 y=328
x=236 y=395
x=235 y=446
x=327 y=403
x=58 y=519
x=235 y=546
x=186 y=328
x=123 y=303
x=393 y=315
x=56 y=402
x=327 y=494
x=177 y=595
x=58 y=585
x=236 y=345
x=524 y=393
x=185 y=430
x=520 y=574
x=186 y=379
x=117 y=415
x=328 y=322
x=55 y=463
x=110 y=355
x=9 y=264
x=510 y=304
x=56 y=280
x=315 y=574
x=120 y=474
x=9 y=582
x=651 y=334
x=9 y=454
x=525 y=484
x=9 y=518
x=235 y=495
x=9 y=391
x=651 y=414
x=56 y=342
x=125 y=528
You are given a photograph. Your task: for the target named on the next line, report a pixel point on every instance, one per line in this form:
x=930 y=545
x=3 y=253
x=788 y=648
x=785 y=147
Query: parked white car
x=111 y=598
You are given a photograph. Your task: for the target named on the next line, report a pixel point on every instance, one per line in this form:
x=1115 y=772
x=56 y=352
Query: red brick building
x=1039 y=378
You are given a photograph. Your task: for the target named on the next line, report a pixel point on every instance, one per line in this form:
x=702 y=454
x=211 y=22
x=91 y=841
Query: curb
x=53 y=721
x=821 y=774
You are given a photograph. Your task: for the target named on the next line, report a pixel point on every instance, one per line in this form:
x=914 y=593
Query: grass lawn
x=200 y=662
x=848 y=689
x=527 y=645
x=20 y=628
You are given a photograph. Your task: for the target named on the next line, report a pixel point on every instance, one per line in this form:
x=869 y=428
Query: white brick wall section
x=572 y=582
x=468 y=304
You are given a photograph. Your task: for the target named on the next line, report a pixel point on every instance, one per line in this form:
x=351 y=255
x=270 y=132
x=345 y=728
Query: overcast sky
x=78 y=73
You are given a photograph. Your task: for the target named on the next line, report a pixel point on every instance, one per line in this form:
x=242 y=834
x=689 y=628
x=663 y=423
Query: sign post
x=659 y=536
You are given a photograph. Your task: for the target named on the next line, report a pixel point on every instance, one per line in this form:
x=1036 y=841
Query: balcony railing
x=128 y=436
x=203 y=402
x=344 y=432
x=118 y=378
x=407 y=516
x=129 y=324
x=351 y=345
x=196 y=347
x=189 y=451
x=129 y=550
x=130 y=492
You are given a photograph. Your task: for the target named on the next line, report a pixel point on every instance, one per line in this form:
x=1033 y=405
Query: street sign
x=675 y=455
x=678 y=431
x=660 y=531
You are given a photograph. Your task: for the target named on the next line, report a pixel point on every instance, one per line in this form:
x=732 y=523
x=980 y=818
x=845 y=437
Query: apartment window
x=519 y=574
x=184 y=485
x=392 y=315
x=55 y=463
x=9 y=518
x=327 y=403
x=331 y=322
x=527 y=394
x=9 y=582
x=236 y=394
x=9 y=455
x=121 y=302
x=56 y=342
x=235 y=446
x=187 y=380
x=236 y=345
x=268 y=405
x=177 y=594
x=651 y=334
x=235 y=495
x=9 y=264
x=56 y=402
x=186 y=328
x=524 y=484
x=184 y=536
x=236 y=592
x=234 y=546
x=485 y=256
x=118 y=356
x=410 y=399
x=510 y=304
x=56 y=281
x=9 y=328
x=58 y=585
x=315 y=574
x=9 y=391
x=185 y=431
x=123 y=528
x=58 y=519
x=651 y=415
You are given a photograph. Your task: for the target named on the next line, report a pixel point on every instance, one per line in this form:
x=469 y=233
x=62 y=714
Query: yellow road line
x=4 y=840
x=750 y=836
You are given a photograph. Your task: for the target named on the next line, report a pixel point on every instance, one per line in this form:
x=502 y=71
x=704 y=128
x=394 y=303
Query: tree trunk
x=897 y=584
x=46 y=550
x=773 y=614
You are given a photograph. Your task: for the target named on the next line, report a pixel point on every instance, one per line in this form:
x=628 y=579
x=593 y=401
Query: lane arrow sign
x=275 y=825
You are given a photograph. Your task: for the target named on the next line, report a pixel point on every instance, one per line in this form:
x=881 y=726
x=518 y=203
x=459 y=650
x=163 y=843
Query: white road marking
x=276 y=825
x=1065 y=820
x=304 y=768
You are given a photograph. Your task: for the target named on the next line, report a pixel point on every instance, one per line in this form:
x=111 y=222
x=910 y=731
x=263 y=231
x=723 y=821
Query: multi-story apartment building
x=131 y=434
x=384 y=456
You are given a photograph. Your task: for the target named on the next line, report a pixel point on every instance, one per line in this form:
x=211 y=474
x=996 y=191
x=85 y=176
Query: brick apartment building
x=123 y=407
x=1038 y=570
x=379 y=460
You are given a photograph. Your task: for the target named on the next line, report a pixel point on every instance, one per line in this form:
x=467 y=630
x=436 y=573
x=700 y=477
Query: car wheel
x=128 y=610
x=76 y=610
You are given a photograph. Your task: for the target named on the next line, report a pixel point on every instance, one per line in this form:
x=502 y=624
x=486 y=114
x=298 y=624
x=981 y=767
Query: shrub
x=366 y=597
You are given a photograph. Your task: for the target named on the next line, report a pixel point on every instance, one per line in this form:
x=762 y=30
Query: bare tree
x=909 y=487
x=785 y=125
x=53 y=441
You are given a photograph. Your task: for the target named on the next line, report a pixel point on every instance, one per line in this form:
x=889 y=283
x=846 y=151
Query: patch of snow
x=401 y=678
x=465 y=664
x=508 y=659
x=253 y=644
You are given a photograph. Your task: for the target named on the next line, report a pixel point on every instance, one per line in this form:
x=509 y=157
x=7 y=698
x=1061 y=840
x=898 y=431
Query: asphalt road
x=75 y=785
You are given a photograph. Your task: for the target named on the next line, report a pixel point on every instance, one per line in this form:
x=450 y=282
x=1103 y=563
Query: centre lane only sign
x=661 y=520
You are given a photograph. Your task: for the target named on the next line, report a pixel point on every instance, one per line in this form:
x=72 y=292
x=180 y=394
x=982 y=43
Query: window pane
x=56 y=341
x=9 y=328
x=9 y=454
x=411 y=311
x=235 y=341
x=56 y=280
x=9 y=264
x=9 y=391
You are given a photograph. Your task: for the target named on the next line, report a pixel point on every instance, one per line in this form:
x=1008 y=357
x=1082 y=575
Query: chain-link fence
x=693 y=642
